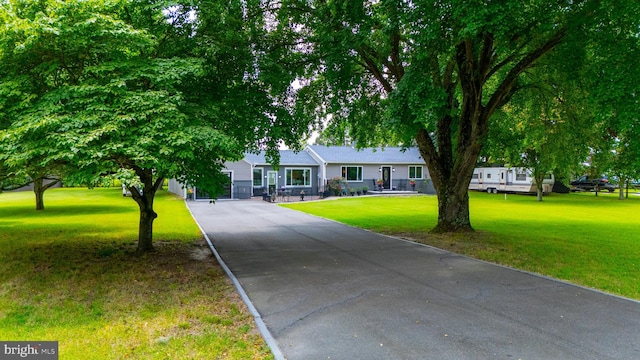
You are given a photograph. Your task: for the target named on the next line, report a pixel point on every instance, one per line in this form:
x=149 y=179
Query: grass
x=587 y=240
x=71 y=274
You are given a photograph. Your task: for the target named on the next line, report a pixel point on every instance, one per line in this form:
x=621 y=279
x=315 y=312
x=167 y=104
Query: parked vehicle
x=503 y=179
x=586 y=183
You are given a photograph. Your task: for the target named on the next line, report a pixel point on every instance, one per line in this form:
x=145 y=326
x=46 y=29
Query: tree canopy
x=436 y=72
x=151 y=89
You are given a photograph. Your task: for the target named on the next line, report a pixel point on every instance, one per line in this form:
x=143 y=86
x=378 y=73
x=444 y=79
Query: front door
x=272 y=181
x=386 y=177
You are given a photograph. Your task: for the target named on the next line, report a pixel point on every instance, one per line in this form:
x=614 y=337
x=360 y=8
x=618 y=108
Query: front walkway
x=330 y=291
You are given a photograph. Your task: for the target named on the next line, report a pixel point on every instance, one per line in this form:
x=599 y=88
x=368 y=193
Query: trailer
x=503 y=179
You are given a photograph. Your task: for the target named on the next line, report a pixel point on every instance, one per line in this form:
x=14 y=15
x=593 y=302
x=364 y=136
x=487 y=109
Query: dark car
x=586 y=183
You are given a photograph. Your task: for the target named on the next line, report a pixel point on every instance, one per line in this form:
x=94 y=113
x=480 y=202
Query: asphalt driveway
x=330 y=291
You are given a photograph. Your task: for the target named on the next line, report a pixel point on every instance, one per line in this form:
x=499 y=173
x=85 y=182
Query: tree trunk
x=539 y=179
x=144 y=198
x=451 y=173
x=453 y=212
x=38 y=189
x=451 y=184
x=145 y=228
x=621 y=188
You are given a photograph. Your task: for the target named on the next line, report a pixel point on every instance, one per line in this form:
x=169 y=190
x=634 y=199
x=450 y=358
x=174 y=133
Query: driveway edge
x=262 y=327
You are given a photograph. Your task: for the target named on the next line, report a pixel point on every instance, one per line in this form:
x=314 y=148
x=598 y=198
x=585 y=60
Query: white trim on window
x=349 y=175
x=302 y=177
x=415 y=174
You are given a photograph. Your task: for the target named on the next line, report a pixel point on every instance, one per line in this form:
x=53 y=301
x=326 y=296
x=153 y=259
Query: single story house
x=392 y=167
x=310 y=170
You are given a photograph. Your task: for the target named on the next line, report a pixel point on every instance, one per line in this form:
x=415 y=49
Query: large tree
x=433 y=71
x=144 y=89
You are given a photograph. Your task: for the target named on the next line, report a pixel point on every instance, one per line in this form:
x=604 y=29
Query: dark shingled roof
x=350 y=155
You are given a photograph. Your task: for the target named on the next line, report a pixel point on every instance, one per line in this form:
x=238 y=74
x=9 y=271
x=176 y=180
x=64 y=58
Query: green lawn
x=71 y=274
x=588 y=240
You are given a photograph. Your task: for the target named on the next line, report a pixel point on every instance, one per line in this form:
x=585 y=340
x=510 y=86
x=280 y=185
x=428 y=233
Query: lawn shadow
x=64 y=210
x=90 y=279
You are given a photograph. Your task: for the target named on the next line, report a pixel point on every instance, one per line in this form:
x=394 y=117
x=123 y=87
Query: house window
x=352 y=173
x=521 y=176
x=298 y=177
x=257 y=177
x=415 y=172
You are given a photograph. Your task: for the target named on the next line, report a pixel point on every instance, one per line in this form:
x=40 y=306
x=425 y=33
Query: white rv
x=494 y=179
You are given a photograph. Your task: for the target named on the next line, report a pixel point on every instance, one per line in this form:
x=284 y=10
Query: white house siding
x=242 y=179
x=177 y=188
x=241 y=169
x=372 y=172
x=372 y=162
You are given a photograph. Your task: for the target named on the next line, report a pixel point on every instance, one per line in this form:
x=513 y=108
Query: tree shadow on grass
x=76 y=283
x=62 y=210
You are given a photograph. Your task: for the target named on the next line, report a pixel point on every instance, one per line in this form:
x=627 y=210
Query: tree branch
x=486 y=55
x=375 y=71
x=396 y=65
x=50 y=185
x=158 y=183
x=505 y=88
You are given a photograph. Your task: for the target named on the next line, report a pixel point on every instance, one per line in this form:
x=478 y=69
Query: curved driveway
x=330 y=291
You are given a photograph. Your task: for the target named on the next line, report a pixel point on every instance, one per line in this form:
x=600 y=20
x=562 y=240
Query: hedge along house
x=392 y=168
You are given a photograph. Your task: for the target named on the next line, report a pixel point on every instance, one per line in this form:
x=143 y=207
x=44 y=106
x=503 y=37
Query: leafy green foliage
x=159 y=89
x=434 y=73
x=546 y=127
x=579 y=105
x=614 y=86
